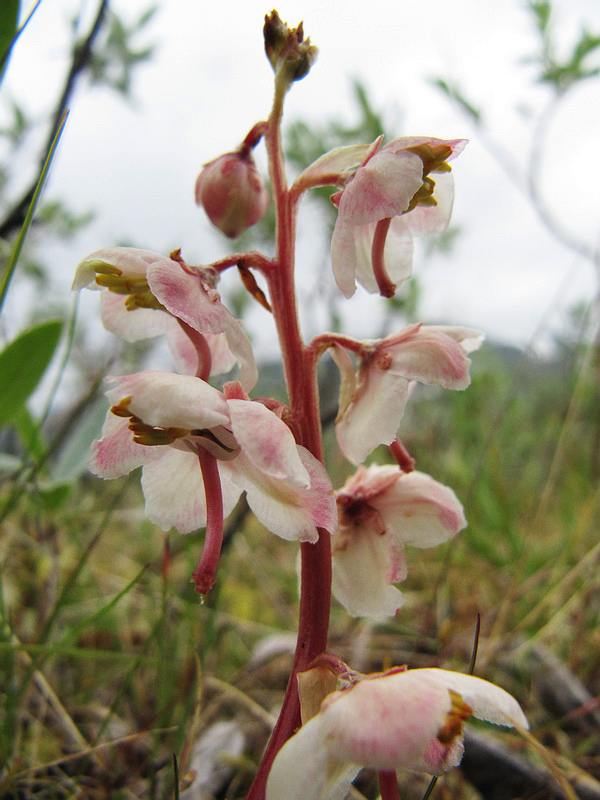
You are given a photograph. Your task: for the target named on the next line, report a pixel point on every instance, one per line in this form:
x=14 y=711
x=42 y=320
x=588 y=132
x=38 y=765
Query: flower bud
x=290 y=54
x=232 y=192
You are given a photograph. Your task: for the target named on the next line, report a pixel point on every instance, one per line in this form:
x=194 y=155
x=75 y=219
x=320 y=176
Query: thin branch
x=81 y=58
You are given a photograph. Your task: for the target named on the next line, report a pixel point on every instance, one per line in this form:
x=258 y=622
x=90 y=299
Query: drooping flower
x=372 y=400
x=232 y=192
x=147 y=294
x=409 y=720
x=391 y=196
x=159 y=421
x=387 y=195
x=381 y=509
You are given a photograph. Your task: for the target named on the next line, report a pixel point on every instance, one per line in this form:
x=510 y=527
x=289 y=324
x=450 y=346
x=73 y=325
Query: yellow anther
x=104 y=267
x=152 y=437
x=122 y=408
x=433 y=157
x=455 y=718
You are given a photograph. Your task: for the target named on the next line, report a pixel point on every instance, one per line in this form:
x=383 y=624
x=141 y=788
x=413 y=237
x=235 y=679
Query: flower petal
x=421 y=511
x=129 y=260
x=164 y=399
x=133 y=324
x=428 y=355
x=374 y=415
x=343 y=257
x=393 y=721
x=115 y=453
x=305 y=769
x=188 y=297
x=174 y=491
x=382 y=188
x=291 y=512
x=363 y=570
x=488 y=701
x=267 y=441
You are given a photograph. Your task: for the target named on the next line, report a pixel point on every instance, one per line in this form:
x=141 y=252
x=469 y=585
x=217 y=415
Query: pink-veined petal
x=382 y=188
x=319 y=498
x=291 y=512
x=267 y=441
x=115 y=453
x=373 y=417
x=430 y=356
x=164 y=399
x=392 y=721
x=403 y=142
x=174 y=491
x=420 y=511
x=468 y=338
x=363 y=571
x=306 y=769
x=186 y=296
x=387 y=722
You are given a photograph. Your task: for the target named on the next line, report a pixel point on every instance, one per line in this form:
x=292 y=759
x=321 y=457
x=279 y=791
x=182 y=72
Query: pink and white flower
x=409 y=720
x=386 y=198
x=372 y=400
x=381 y=509
x=160 y=421
x=149 y=294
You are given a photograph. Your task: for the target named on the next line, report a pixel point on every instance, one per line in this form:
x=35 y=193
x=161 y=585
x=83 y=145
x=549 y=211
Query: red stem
x=301 y=381
x=403 y=458
x=250 y=259
x=204 y=574
x=388 y=785
x=202 y=348
x=387 y=288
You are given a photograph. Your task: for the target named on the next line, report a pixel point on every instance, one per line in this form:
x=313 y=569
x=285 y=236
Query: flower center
x=218 y=441
x=135 y=287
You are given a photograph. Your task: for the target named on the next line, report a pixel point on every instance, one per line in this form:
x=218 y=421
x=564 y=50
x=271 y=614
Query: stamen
x=218 y=441
x=455 y=718
x=121 y=409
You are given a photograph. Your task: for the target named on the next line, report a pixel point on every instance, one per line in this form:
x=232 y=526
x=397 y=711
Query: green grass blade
x=102 y=612
x=14 y=257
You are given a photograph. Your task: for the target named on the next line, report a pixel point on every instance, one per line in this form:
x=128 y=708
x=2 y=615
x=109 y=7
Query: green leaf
x=30 y=435
x=53 y=495
x=22 y=364
x=541 y=11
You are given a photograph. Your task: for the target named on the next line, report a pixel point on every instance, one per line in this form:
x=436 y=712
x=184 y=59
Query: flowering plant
x=200 y=447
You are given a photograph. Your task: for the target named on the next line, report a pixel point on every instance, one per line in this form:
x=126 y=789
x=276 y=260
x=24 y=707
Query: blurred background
x=153 y=92
x=169 y=89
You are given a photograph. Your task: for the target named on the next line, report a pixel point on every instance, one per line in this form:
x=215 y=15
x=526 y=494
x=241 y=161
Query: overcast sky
x=135 y=164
